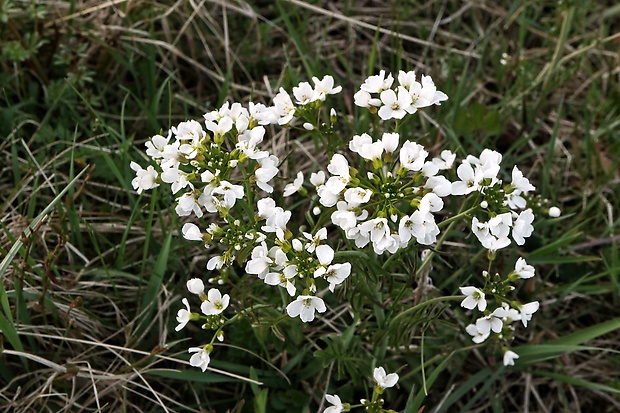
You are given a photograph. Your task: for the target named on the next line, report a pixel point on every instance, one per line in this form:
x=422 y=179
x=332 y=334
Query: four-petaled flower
x=305 y=306
x=474 y=297
x=215 y=303
x=384 y=380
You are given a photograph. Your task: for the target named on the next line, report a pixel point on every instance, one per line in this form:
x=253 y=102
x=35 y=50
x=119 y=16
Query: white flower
x=305 y=306
x=186 y=204
x=268 y=169
x=201 y=359
x=359 y=141
x=523 y=269
x=215 y=263
x=372 y=151
x=277 y=222
x=520 y=185
x=260 y=261
x=266 y=207
x=191 y=232
x=510 y=357
x=390 y=141
x=189 y=130
x=226 y=194
x=384 y=380
x=493 y=235
x=304 y=93
x=412 y=156
x=439 y=185
x=421 y=225
x=474 y=297
x=195 y=286
x=357 y=196
x=325 y=87
x=406 y=79
x=335 y=274
x=248 y=143
x=283 y=279
x=379 y=233
x=554 y=212
x=344 y=216
x=477 y=336
x=489 y=323
x=336 y=403
x=183 y=315
x=220 y=128
x=145 y=178
x=445 y=160
x=262 y=114
x=315 y=240
x=430 y=93
x=522 y=226
x=177 y=178
x=215 y=303
x=155 y=147
x=362 y=99
x=291 y=188
x=469 y=179
x=526 y=311
x=377 y=83
x=394 y=106
x=325 y=254
x=284 y=107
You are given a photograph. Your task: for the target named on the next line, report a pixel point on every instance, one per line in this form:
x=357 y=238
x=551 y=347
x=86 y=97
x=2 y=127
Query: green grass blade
x=154 y=284
x=6 y=321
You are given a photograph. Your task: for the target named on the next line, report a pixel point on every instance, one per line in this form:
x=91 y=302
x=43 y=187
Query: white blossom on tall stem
x=325 y=87
x=383 y=379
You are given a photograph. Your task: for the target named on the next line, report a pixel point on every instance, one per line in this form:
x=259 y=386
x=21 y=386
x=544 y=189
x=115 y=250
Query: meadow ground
x=93 y=274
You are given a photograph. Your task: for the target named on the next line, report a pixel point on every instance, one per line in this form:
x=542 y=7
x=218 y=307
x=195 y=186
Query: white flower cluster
x=369 y=208
x=212 y=307
x=392 y=197
x=409 y=96
x=500 y=319
x=481 y=175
